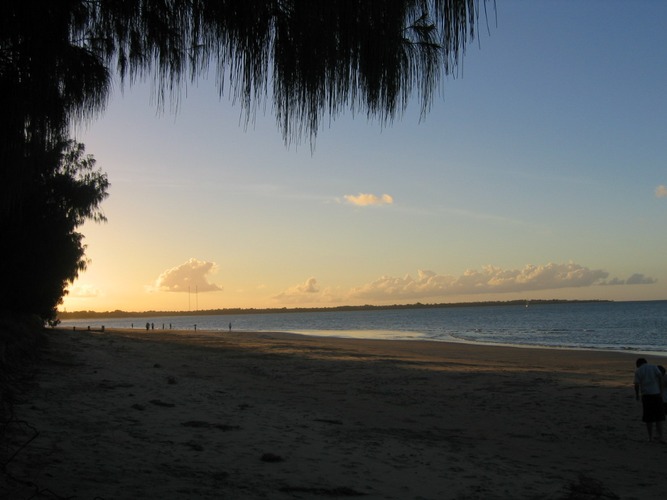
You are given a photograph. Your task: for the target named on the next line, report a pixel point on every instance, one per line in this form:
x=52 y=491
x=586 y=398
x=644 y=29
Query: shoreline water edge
x=631 y=326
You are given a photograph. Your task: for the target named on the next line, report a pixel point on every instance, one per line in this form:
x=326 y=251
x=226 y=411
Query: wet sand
x=135 y=414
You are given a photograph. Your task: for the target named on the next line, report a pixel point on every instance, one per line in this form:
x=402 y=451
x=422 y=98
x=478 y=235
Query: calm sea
x=634 y=326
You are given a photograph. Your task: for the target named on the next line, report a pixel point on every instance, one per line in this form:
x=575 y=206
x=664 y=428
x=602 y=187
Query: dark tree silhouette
x=47 y=188
x=46 y=250
x=310 y=58
x=307 y=58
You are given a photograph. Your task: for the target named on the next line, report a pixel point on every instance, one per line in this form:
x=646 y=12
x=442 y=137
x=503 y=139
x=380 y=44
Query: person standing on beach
x=648 y=383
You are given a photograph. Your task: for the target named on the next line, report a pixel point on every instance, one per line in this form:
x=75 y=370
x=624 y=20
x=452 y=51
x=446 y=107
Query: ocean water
x=632 y=326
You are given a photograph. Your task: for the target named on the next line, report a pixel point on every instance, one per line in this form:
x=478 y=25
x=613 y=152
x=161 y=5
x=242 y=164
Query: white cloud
x=308 y=292
x=489 y=280
x=82 y=292
x=308 y=287
x=661 y=191
x=189 y=276
x=367 y=199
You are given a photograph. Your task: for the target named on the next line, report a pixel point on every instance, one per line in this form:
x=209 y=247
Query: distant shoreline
x=65 y=315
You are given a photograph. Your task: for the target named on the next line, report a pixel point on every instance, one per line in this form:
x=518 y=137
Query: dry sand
x=135 y=414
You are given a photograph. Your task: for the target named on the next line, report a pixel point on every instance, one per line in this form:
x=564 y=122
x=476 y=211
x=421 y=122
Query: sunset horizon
x=539 y=169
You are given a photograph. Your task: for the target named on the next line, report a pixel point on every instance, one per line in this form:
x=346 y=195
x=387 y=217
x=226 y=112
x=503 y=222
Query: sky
x=540 y=172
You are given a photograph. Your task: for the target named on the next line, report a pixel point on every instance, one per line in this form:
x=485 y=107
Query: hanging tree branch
x=308 y=58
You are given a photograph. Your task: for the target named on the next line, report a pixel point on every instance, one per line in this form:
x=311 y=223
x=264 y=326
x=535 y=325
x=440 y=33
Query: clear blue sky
x=540 y=172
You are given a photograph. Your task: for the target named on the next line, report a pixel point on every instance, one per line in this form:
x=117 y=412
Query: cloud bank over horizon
x=489 y=279
x=190 y=276
x=81 y=291
x=194 y=275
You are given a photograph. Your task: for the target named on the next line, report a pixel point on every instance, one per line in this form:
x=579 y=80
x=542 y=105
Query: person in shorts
x=648 y=384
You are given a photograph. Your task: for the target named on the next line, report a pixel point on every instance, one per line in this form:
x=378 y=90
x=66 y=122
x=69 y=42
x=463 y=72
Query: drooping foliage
x=307 y=59
x=46 y=82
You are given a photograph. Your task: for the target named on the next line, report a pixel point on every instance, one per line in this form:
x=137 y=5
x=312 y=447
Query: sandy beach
x=129 y=414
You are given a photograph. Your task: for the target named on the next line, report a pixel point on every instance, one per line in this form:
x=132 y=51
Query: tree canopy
x=46 y=250
x=308 y=59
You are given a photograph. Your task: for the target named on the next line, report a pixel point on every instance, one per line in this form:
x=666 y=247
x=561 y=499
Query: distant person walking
x=230 y=327
x=649 y=384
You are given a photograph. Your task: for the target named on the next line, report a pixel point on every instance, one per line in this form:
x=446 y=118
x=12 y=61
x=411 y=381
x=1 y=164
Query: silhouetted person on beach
x=648 y=383
x=148 y=326
x=230 y=327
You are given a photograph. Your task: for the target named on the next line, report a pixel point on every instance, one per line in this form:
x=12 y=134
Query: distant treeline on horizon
x=212 y=312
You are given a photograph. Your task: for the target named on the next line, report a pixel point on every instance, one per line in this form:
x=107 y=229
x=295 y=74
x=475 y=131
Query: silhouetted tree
x=46 y=250
x=309 y=58
x=312 y=57
x=47 y=82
